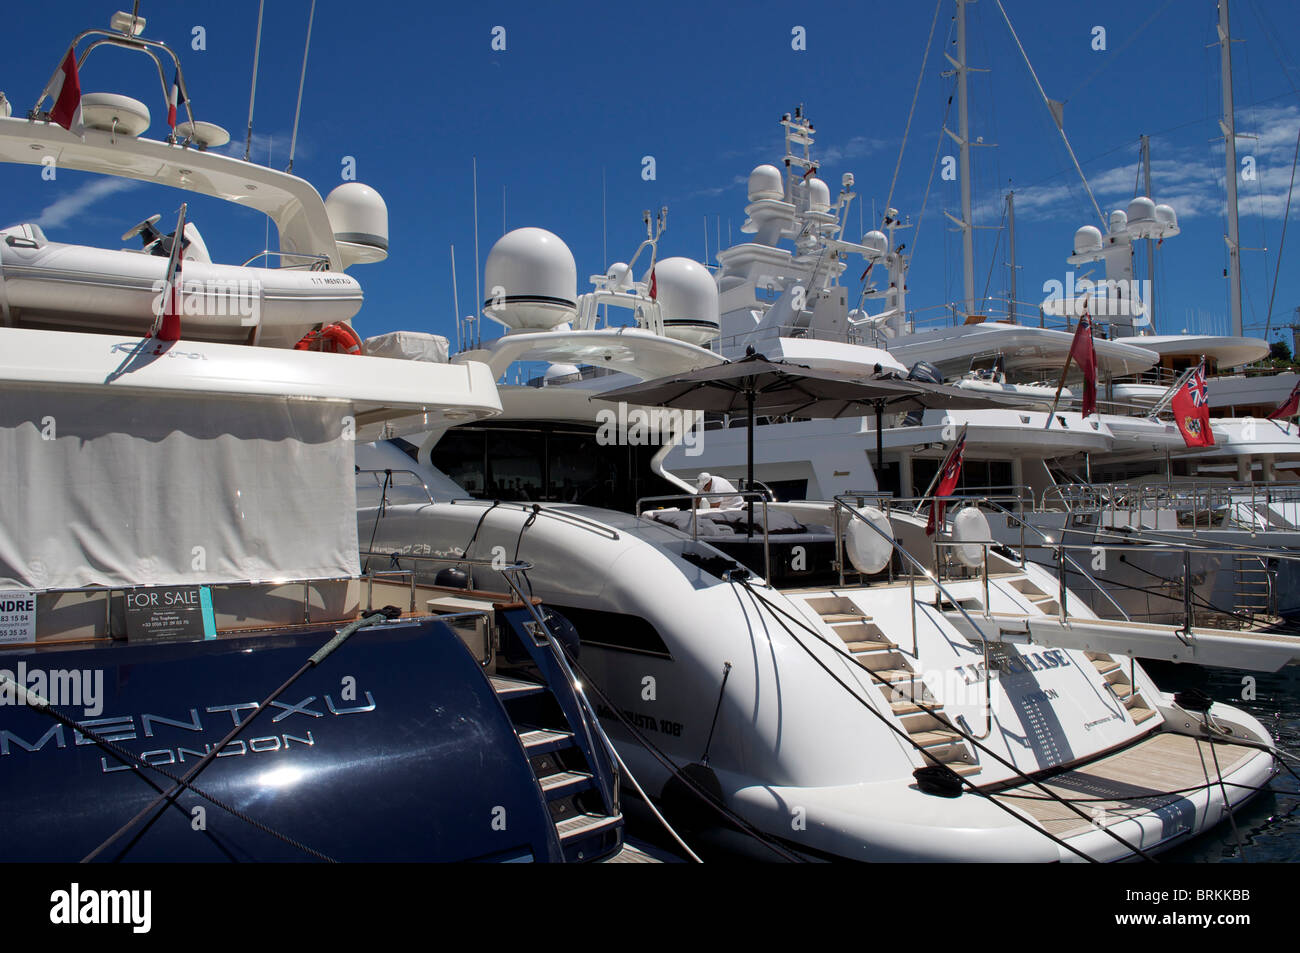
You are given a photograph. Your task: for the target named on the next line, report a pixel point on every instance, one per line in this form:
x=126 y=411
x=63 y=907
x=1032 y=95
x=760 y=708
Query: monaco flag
x=1191 y=407
x=949 y=475
x=1290 y=407
x=1084 y=354
x=65 y=90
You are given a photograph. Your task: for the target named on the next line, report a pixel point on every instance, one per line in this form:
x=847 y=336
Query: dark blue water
x=1269 y=827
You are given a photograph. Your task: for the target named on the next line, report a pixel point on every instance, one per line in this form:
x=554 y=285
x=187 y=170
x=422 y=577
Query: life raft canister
x=335 y=338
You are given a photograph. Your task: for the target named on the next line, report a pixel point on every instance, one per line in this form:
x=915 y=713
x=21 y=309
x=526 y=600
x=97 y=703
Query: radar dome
x=877 y=242
x=688 y=300
x=765 y=183
x=1166 y=217
x=1087 y=240
x=619 y=277
x=819 y=195
x=1118 y=221
x=561 y=374
x=359 y=219
x=530 y=280
x=1141 y=211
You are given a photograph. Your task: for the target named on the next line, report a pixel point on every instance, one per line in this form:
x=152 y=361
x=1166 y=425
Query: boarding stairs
x=898 y=681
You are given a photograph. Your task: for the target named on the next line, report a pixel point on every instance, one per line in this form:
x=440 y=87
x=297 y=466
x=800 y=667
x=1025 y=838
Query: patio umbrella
x=756 y=385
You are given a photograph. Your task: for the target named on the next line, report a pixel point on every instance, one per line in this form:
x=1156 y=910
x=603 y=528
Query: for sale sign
x=17 y=616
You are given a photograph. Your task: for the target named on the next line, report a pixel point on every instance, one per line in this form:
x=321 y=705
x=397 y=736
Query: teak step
x=892 y=675
x=563 y=782
x=936 y=738
x=582 y=824
x=514 y=687
x=539 y=740
x=1122 y=690
x=1106 y=667
x=838 y=618
x=1141 y=714
x=869 y=645
x=905 y=707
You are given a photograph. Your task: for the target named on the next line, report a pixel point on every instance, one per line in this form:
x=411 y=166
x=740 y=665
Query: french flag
x=65 y=90
x=177 y=98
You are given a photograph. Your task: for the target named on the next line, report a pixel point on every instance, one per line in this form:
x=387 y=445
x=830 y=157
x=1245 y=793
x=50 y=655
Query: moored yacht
x=194 y=663
x=808 y=679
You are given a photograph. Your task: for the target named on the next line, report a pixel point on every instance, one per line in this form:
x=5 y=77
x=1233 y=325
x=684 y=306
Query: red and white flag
x=1083 y=353
x=1191 y=407
x=654 y=286
x=169 y=329
x=175 y=99
x=949 y=475
x=65 y=90
x=167 y=324
x=1290 y=407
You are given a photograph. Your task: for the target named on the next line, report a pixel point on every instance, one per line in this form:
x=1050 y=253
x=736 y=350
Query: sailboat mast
x=1011 y=245
x=1229 y=126
x=1151 y=245
x=963 y=142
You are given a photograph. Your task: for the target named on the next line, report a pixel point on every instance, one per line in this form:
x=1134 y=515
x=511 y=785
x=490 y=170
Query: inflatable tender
x=45 y=284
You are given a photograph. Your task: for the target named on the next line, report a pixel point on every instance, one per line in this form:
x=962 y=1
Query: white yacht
x=179 y=539
x=878 y=711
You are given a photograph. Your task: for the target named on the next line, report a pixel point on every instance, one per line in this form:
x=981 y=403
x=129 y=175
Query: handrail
x=939 y=588
x=540 y=509
x=1083 y=572
x=388 y=472
x=313 y=261
x=508 y=574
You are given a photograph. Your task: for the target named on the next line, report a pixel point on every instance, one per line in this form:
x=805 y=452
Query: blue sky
x=413 y=90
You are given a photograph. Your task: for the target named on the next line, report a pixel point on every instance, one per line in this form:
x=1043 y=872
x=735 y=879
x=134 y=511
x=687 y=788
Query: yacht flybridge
x=179 y=540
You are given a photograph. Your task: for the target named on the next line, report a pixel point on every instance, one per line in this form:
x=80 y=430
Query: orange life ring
x=335 y=338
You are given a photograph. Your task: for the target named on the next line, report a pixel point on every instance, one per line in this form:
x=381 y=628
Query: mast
x=1151 y=252
x=1229 y=126
x=963 y=143
x=1011 y=244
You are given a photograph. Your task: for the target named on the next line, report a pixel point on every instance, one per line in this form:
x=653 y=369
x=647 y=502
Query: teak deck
x=1132 y=781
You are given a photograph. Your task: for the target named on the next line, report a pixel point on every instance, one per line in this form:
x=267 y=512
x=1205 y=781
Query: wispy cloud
x=856 y=148
x=266 y=146
x=719 y=189
x=69 y=206
x=1189 y=179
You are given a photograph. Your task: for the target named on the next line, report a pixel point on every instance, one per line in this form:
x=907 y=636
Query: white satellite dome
x=619 y=277
x=819 y=195
x=359 y=219
x=1118 y=221
x=111 y=112
x=688 y=300
x=1087 y=240
x=530 y=280
x=560 y=373
x=1141 y=211
x=1166 y=217
x=765 y=183
x=878 y=242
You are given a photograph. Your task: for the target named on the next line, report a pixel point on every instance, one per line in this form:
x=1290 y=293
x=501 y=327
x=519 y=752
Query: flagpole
x=942 y=466
x=1066 y=369
x=1059 y=387
x=1163 y=402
